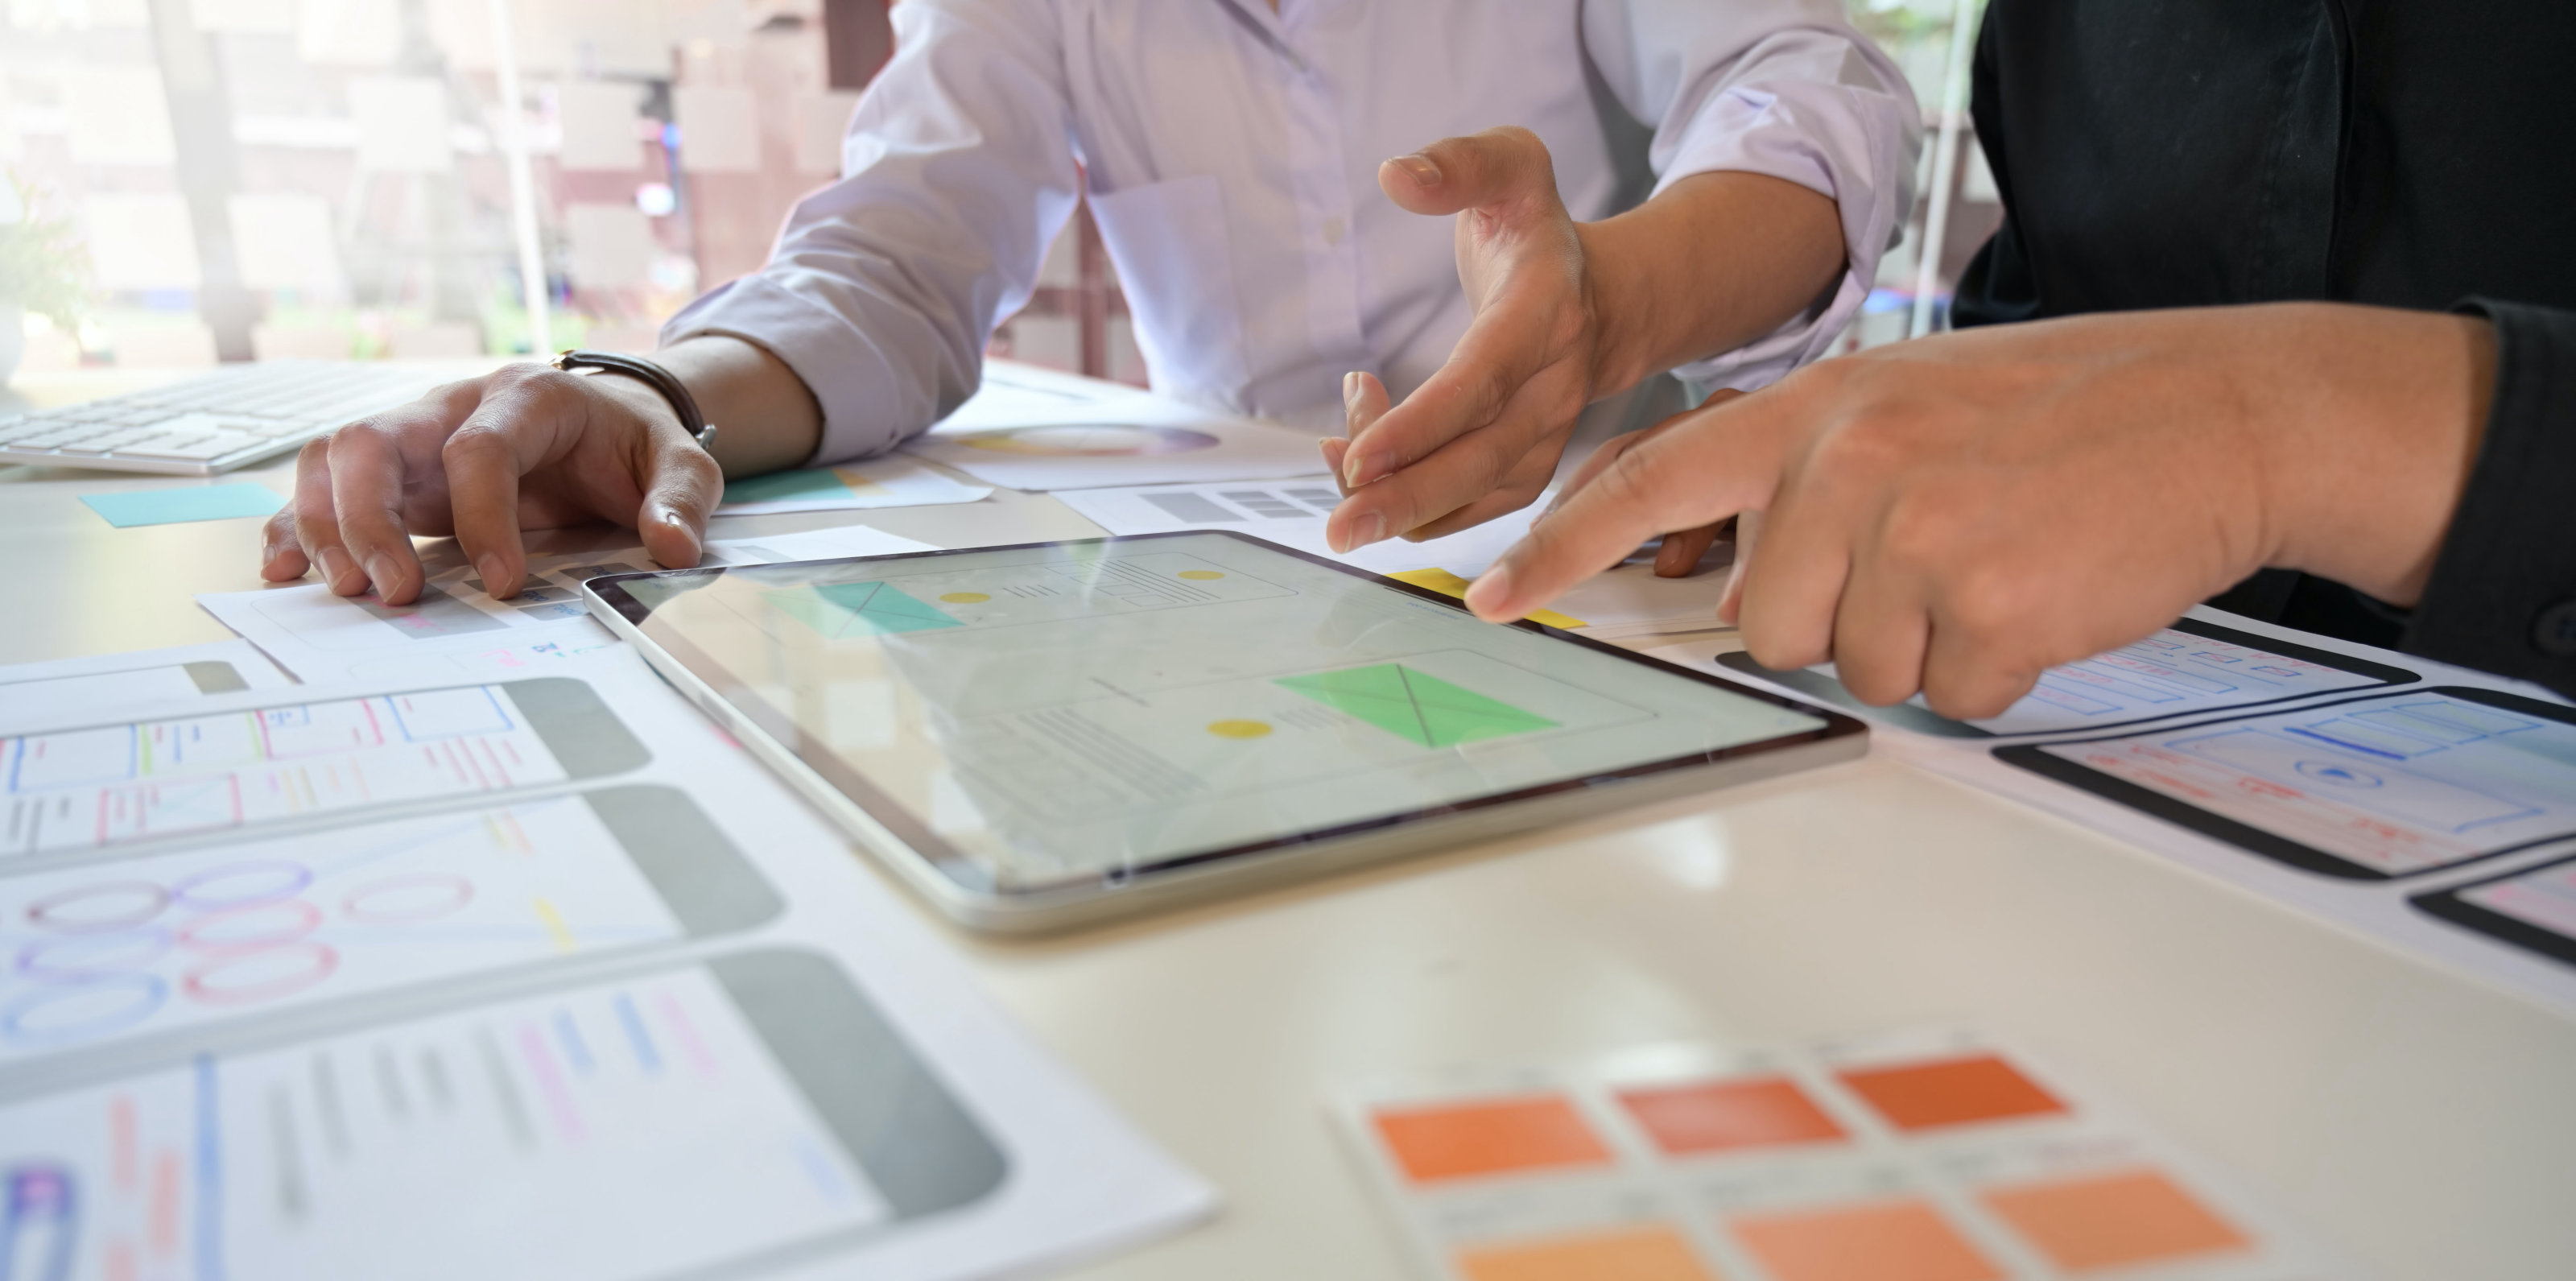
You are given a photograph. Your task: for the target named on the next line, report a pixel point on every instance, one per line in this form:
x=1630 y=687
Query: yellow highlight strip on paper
x=861 y=483
x=1448 y=584
x=555 y=926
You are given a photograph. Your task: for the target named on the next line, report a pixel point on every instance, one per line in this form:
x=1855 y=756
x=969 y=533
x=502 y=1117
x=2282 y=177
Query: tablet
x=1045 y=734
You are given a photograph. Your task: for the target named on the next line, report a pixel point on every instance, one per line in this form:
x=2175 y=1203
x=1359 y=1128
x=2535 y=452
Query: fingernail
x=1350 y=393
x=489 y=566
x=336 y=567
x=1361 y=468
x=381 y=570
x=1490 y=589
x=1419 y=168
x=267 y=550
x=1367 y=529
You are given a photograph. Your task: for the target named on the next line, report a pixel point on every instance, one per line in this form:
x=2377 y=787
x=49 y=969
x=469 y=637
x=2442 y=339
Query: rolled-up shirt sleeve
x=957 y=171
x=2502 y=596
x=1783 y=88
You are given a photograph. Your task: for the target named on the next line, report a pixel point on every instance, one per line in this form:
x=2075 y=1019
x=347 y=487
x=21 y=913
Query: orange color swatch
x=1752 y=1112
x=1898 y=1240
x=2109 y=1221
x=1453 y=1142
x=1925 y=1096
x=1635 y=1254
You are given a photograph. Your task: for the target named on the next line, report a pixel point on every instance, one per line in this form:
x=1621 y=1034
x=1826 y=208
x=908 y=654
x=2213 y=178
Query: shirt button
x=1333 y=230
x=2555 y=633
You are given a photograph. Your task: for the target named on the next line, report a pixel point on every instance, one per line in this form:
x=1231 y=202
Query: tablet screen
x=1037 y=715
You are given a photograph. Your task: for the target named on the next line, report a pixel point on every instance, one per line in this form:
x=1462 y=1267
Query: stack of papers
x=538 y=977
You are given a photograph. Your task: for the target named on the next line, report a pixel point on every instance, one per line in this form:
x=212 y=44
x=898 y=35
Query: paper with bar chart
x=1066 y=708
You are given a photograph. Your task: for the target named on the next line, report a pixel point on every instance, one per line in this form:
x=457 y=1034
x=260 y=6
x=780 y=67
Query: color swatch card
x=1914 y=1157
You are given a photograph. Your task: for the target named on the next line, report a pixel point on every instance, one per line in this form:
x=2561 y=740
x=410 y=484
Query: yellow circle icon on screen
x=1201 y=575
x=965 y=598
x=1238 y=729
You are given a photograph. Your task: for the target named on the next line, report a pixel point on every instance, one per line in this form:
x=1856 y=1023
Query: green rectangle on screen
x=1413 y=705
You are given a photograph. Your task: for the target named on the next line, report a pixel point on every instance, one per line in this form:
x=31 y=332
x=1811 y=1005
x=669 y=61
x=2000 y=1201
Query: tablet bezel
x=985 y=902
x=2448 y=904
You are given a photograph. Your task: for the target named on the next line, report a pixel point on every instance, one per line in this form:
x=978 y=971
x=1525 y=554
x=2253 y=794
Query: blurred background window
x=242 y=179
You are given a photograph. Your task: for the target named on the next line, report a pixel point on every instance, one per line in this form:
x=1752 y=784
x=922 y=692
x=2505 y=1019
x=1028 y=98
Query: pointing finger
x=1721 y=462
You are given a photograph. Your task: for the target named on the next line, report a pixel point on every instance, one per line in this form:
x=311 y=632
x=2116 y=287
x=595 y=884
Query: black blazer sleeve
x=2502 y=597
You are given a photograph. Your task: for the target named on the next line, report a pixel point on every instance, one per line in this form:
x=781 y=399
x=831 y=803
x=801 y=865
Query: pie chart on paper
x=1088 y=440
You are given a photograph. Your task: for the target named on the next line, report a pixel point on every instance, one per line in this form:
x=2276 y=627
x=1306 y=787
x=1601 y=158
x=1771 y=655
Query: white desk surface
x=2423 y=1124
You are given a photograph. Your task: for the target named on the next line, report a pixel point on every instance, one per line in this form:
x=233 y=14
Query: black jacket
x=2405 y=153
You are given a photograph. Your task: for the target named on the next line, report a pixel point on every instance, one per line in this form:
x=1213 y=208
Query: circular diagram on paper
x=1088 y=440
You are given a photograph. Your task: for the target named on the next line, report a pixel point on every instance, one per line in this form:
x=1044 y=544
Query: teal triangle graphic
x=857 y=609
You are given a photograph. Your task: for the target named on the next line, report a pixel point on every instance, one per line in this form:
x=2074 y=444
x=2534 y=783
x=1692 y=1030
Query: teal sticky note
x=184 y=503
x=819 y=482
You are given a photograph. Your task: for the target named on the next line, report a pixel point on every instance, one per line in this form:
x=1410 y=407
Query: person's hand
x=1682 y=548
x=1482 y=437
x=1564 y=314
x=1958 y=514
x=526 y=447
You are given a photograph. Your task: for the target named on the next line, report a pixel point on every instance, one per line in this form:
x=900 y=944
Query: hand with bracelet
x=536 y=447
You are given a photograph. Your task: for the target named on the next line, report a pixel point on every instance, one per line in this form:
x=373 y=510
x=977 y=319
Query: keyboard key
x=180 y=424
x=108 y=441
x=200 y=448
x=46 y=439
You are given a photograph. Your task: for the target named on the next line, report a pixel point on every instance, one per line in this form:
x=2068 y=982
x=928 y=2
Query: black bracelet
x=653 y=376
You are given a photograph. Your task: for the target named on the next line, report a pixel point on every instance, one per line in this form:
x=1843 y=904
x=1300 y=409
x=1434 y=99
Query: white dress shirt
x=1230 y=155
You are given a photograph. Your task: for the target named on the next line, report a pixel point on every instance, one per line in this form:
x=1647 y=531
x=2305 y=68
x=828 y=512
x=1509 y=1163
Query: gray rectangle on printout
x=1191 y=508
x=433 y=613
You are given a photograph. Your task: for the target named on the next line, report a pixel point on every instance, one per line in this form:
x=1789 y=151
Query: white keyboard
x=214 y=423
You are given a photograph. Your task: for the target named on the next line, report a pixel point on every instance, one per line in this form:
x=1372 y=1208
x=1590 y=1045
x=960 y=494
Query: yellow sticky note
x=860 y=483
x=1448 y=584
